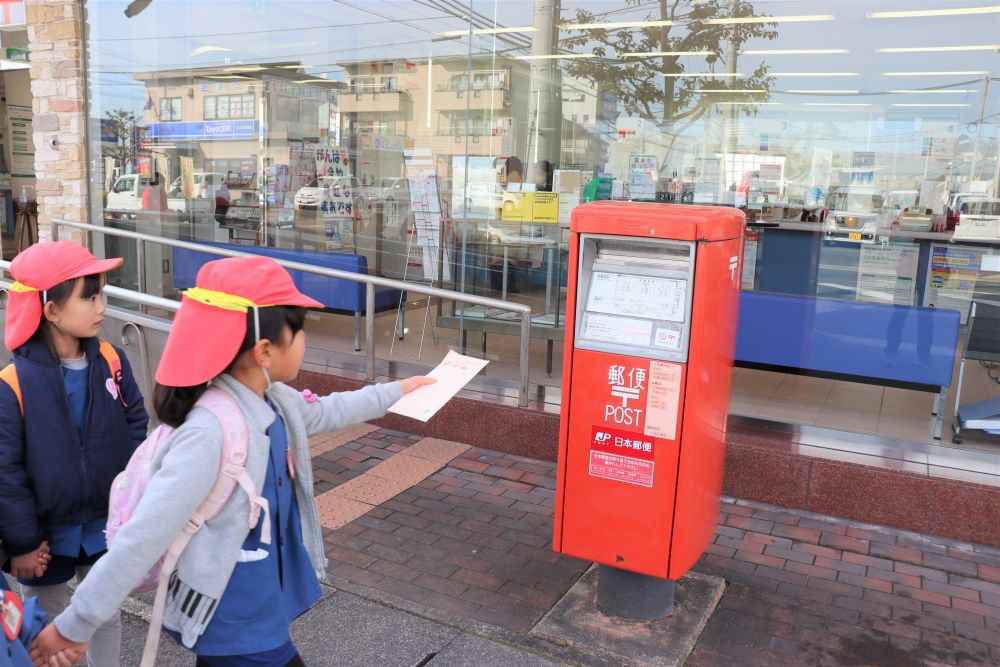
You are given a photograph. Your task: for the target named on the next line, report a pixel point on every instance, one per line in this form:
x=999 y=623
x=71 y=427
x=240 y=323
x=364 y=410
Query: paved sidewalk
x=447 y=561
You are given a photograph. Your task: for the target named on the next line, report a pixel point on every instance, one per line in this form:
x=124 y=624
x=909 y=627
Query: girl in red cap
x=235 y=591
x=70 y=417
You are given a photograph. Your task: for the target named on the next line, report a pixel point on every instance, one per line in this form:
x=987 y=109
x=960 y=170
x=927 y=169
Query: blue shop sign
x=209 y=129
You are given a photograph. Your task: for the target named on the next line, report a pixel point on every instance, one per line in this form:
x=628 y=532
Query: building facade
x=853 y=135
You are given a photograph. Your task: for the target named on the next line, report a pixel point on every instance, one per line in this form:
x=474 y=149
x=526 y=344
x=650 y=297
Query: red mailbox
x=651 y=314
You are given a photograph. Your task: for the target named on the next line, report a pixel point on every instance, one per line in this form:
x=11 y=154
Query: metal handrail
x=370 y=282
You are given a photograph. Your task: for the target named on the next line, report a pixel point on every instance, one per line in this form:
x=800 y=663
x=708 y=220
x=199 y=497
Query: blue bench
x=897 y=346
x=336 y=295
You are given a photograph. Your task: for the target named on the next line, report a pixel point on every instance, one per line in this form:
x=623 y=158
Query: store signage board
x=951 y=276
x=219 y=130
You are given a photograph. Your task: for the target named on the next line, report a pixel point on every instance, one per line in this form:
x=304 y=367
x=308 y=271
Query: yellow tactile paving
x=345 y=503
x=436 y=449
x=323 y=443
x=405 y=468
x=370 y=489
x=337 y=511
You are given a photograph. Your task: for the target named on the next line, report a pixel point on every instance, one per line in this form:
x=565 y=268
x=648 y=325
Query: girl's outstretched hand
x=51 y=649
x=409 y=384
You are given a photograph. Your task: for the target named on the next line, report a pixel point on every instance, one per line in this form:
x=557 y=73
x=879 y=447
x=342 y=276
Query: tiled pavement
x=471 y=542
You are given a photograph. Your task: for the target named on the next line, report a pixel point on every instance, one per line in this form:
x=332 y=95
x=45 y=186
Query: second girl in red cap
x=235 y=593
x=70 y=417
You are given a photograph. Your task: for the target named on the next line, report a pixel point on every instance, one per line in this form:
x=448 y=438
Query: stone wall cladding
x=55 y=36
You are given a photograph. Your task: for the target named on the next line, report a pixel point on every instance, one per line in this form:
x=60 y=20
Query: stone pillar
x=55 y=32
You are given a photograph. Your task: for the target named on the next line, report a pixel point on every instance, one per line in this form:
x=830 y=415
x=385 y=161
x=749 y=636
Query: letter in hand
x=409 y=384
x=51 y=649
x=32 y=564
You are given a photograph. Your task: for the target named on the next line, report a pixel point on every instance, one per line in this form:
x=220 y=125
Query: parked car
x=958 y=204
x=126 y=196
x=206 y=184
x=980 y=220
x=311 y=196
x=855 y=208
x=392 y=188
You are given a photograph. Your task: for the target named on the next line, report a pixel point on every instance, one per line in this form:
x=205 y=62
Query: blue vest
x=276 y=583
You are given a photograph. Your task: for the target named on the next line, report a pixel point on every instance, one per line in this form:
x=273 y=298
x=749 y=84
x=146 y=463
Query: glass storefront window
x=449 y=143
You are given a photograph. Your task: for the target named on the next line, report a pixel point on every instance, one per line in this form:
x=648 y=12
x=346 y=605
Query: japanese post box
x=651 y=314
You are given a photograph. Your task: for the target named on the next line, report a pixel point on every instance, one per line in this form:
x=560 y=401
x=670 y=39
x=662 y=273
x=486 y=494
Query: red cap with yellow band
x=212 y=321
x=37 y=270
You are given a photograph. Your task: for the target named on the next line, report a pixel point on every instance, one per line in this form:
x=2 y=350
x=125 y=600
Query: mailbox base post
x=633 y=596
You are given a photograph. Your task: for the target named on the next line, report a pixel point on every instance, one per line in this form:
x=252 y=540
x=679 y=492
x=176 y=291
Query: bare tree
x=128 y=135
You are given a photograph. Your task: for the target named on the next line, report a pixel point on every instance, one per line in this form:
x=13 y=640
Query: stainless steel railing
x=370 y=282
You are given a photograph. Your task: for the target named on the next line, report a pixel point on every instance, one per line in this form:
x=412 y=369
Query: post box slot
x=635 y=296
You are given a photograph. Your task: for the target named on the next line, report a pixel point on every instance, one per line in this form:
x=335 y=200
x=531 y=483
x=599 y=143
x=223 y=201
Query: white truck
x=126 y=197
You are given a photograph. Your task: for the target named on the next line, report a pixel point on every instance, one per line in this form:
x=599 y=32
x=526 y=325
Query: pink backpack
x=130 y=484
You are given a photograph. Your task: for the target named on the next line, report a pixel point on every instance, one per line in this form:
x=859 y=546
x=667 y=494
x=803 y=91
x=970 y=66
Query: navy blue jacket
x=48 y=474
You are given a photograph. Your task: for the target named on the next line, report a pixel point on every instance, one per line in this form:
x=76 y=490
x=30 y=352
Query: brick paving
x=473 y=540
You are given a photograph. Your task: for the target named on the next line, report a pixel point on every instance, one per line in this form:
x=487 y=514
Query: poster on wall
x=481 y=200
x=951 y=276
x=887 y=273
x=751 y=241
x=819 y=176
x=187 y=177
x=22 y=143
x=425 y=204
x=568 y=183
x=863 y=171
x=706 y=189
x=642 y=170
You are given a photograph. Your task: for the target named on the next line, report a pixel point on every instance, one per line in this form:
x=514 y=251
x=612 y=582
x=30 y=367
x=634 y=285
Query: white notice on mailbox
x=637 y=296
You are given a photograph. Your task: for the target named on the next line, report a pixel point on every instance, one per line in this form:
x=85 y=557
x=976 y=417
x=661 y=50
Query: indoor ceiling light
x=926 y=49
x=967 y=72
x=934 y=12
x=930 y=105
x=752 y=91
x=836 y=104
x=960 y=91
x=815 y=91
x=813 y=74
x=614 y=26
x=741 y=104
x=791 y=52
x=487 y=31
x=644 y=54
x=698 y=74
x=770 y=19
x=555 y=56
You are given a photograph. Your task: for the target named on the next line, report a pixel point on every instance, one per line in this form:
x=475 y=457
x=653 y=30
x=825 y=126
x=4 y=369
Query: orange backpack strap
x=114 y=362
x=9 y=375
x=108 y=352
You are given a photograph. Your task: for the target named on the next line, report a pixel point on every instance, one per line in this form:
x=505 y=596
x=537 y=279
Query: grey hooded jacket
x=182 y=476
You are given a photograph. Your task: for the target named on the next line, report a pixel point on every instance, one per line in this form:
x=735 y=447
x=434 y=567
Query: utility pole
x=979 y=130
x=730 y=112
x=545 y=88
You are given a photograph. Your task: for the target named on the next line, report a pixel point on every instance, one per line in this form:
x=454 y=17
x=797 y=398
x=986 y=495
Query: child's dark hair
x=58 y=295
x=172 y=404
